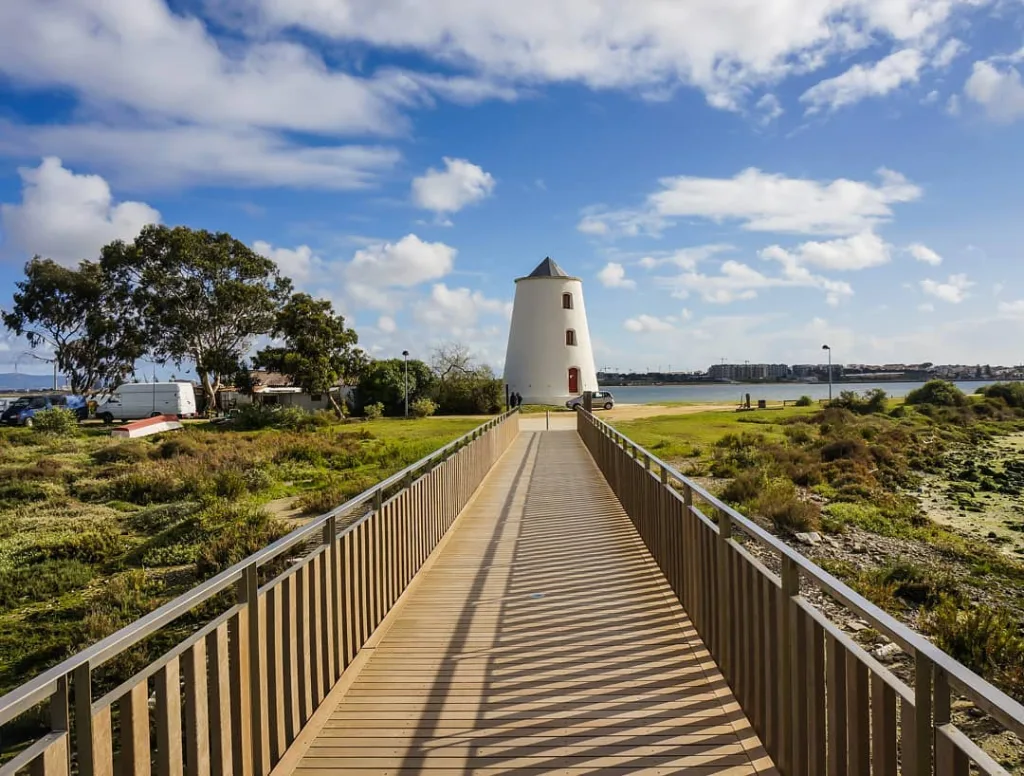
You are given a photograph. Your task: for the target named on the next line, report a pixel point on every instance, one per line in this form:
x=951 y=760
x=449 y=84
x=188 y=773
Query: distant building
x=749 y=372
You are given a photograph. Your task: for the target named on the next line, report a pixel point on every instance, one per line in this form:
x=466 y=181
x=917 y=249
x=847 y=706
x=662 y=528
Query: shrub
x=153 y=520
x=146 y=487
x=844 y=449
x=132 y=451
x=58 y=422
x=940 y=393
x=374 y=411
x=744 y=488
x=423 y=408
x=42 y=581
x=95 y=545
x=178 y=446
x=235 y=531
x=804 y=401
x=254 y=417
x=916 y=585
x=230 y=484
x=982 y=639
x=22 y=490
x=1011 y=393
x=778 y=501
x=798 y=434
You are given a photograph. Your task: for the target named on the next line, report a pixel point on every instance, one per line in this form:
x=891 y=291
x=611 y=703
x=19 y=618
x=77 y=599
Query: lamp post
x=826 y=347
x=405 y=354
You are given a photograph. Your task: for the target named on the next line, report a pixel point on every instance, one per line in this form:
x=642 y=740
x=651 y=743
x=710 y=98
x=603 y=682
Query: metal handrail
x=43 y=686
x=989 y=698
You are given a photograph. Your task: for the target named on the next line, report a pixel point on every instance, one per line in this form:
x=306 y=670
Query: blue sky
x=731 y=179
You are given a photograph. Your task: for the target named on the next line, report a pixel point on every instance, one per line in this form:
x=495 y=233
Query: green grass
x=95 y=532
x=674 y=432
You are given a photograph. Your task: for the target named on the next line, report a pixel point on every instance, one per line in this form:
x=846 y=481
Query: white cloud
x=997 y=89
x=860 y=251
x=954 y=290
x=953 y=105
x=141 y=56
x=457 y=309
x=406 y=263
x=685 y=258
x=930 y=98
x=723 y=47
x=1013 y=309
x=156 y=157
x=926 y=307
x=950 y=50
x=769 y=109
x=737 y=281
x=69 y=217
x=862 y=81
x=461 y=183
x=925 y=254
x=614 y=276
x=387 y=324
x=647 y=323
x=300 y=264
x=763 y=202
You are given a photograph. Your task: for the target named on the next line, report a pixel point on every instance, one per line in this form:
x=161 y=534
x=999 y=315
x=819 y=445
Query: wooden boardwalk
x=539 y=639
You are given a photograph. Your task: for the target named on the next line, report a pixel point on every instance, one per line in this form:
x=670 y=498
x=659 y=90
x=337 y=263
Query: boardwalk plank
x=543 y=639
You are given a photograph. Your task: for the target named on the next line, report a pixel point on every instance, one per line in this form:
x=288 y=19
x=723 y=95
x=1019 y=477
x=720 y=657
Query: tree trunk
x=210 y=392
x=334 y=403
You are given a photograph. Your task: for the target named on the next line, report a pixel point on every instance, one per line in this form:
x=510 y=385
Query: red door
x=574 y=380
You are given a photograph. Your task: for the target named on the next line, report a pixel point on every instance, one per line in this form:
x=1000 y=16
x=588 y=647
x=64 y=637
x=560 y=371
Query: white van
x=133 y=401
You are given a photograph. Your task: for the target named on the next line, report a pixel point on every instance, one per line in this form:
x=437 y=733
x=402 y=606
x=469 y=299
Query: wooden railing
x=234 y=695
x=820 y=703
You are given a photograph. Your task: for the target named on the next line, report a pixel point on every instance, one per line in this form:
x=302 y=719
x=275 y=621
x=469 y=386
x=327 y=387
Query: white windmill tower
x=549 y=358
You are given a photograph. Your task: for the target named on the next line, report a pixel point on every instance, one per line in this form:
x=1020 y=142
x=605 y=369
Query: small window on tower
x=570 y=337
x=566 y=301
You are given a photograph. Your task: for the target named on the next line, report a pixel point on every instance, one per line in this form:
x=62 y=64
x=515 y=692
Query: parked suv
x=601 y=399
x=22 y=411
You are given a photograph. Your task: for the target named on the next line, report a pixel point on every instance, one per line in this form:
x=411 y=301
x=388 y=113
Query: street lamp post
x=826 y=347
x=405 y=354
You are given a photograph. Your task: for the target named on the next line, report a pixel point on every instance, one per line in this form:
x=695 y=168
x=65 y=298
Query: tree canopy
x=384 y=382
x=203 y=297
x=319 y=351
x=464 y=387
x=73 y=312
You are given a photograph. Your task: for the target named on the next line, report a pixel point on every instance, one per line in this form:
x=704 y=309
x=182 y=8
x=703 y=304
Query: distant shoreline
x=835 y=381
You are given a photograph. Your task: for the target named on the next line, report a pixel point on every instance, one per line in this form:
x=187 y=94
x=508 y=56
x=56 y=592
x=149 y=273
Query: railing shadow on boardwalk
x=587 y=666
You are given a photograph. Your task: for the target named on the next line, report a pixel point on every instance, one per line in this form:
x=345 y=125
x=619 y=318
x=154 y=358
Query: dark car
x=22 y=411
x=601 y=399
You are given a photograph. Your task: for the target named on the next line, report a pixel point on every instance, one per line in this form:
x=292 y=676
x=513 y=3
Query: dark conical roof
x=548 y=269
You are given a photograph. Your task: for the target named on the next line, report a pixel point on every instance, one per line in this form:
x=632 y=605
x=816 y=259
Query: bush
x=778 y=502
x=940 y=393
x=804 y=401
x=916 y=585
x=97 y=545
x=133 y=451
x=423 y=408
x=844 y=449
x=255 y=417
x=744 y=488
x=982 y=639
x=22 y=490
x=1011 y=393
x=873 y=401
x=374 y=411
x=42 y=581
x=235 y=531
x=58 y=422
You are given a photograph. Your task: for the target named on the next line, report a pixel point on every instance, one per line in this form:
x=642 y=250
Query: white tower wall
x=538 y=360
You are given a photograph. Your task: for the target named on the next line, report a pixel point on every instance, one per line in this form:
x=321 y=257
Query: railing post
x=724 y=597
x=60 y=717
x=334 y=566
x=83 y=719
x=790 y=675
x=253 y=734
x=923 y=735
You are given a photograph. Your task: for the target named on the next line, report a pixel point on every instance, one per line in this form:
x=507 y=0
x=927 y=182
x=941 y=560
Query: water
x=725 y=393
